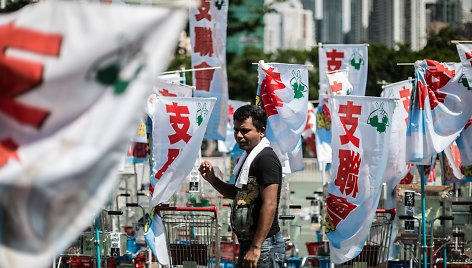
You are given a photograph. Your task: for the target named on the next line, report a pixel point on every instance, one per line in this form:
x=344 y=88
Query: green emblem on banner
x=378 y=118
x=219 y=4
x=297 y=85
x=202 y=112
x=356 y=60
x=463 y=80
x=107 y=70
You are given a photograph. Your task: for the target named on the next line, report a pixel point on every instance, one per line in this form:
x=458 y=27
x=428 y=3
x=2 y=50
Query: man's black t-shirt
x=265 y=169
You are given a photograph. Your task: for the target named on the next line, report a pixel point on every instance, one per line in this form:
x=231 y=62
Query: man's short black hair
x=258 y=115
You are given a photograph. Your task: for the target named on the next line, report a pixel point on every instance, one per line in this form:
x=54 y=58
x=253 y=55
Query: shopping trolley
x=376 y=248
x=192 y=235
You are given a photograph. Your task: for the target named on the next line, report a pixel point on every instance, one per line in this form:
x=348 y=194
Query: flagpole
x=344 y=45
x=183 y=70
x=460 y=41
x=306 y=65
x=423 y=215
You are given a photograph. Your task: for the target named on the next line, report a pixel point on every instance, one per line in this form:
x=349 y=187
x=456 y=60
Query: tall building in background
x=290 y=27
x=413 y=22
x=381 y=22
x=359 y=22
x=311 y=5
x=297 y=24
x=332 y=22
x=394 y=22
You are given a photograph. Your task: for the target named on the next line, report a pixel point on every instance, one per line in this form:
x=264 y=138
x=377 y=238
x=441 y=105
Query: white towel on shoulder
x=247 y=160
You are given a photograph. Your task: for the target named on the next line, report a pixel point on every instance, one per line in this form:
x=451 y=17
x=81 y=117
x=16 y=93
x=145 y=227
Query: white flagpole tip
x=306 y=65
x=460 y=41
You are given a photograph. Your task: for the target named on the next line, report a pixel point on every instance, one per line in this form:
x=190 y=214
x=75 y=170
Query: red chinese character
x=468 y=56
x=338 y=208
x=230 y=112
x=405 y=98
x=171 y=156
x=178 y=122
x=437 y=76
x=138 y=150
x=348 y=172
x=204 y=77
x=8 y=149
x=18 y=76
x=269 y=85
x=203 y=10
x=349 y=120
x=468 y=124
x=334 y=59
x=335 y=87
x=203 y=41
x=165 y=92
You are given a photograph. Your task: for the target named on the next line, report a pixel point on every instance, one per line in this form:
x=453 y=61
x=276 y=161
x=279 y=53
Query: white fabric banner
x=208 y=39
x=309 y=132
x=353 y=58
x=465 y=54
x=440 y=109
x=464 y=143
x=178 y=128
x=84 y=72
x=166 y=89
x=397 y=167
x=339 y=83
x=361 y=128
x=283 y=90
x=170 y=89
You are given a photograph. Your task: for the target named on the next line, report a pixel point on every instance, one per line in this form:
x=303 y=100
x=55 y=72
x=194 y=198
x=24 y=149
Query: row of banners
x=61 y=142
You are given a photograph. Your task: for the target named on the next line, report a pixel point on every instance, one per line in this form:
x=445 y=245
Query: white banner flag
x=339 y=83
x=166 y=89
x=178 y=128
x=208 y=39
x=353 y=58
x=464 y=143
x=77 y=79
x=283 y=90
x=440 y=109
x=361 y=133
x=397 y=167
x=465 y=54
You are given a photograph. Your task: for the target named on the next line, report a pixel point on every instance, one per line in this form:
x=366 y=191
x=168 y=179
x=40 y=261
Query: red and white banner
x=464 y=144
x=440 y=109
x=339 y=83
x=309 y=132
x=75 y=79
x=396 y=164
x=353 y=58
x=283 y=90
x=208 y=39
x=178 y=128
x=170 y=89
x=361 y=128
x=465 y=54
x=166 y=89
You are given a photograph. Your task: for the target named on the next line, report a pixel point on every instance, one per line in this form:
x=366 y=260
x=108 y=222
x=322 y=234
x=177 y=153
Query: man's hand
x=252 y=257
x=207 y=171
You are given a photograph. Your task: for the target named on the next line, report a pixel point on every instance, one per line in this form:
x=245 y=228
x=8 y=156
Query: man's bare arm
x=208 y=173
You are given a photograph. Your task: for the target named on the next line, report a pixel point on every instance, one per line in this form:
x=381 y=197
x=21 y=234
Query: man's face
x=246 y=134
